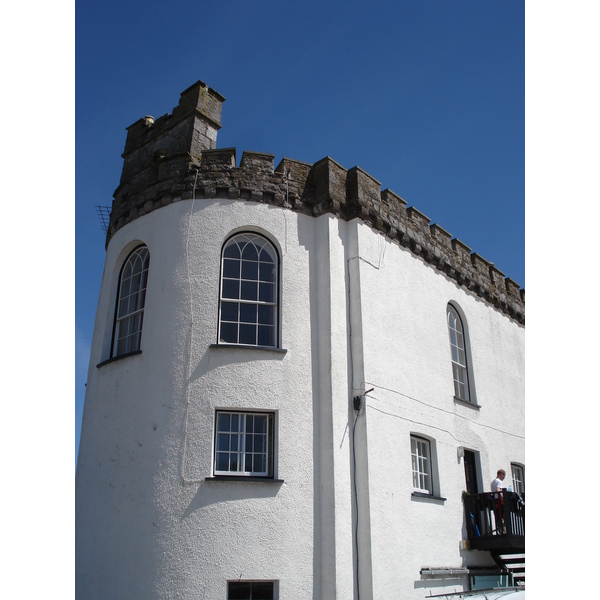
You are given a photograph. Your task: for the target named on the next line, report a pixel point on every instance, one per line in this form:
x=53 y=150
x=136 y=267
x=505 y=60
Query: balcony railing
x=495 y=521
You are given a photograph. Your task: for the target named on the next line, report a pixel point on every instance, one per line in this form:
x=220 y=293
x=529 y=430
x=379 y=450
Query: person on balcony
x=498 y=483
x=497 y=487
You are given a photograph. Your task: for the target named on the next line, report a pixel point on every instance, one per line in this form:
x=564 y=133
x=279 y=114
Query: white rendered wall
x=408 y=363
x=358 y=312
x=149 y=524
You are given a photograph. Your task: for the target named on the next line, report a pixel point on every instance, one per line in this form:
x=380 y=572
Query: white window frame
x=129 y=311
x=249 y=292
x=518 y=477
x=421 y=460
x=274 y=583
x=459 y=354
x=239 y=448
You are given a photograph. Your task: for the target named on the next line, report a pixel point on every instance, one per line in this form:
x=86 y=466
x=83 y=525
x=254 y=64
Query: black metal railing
x=495 y=520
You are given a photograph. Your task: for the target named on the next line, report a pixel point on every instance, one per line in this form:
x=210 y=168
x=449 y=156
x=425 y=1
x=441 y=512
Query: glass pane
x=234 y=443
x=235 y=423
x=231 y=268
x=248 y=313
x=248 y=466
x=249 y=270
x=232 y=251
x=260 y=423
x=266 y=336
x=238 y=590
x=249 y=423
x=267 y=292
x=233 y=464
x=229 y=311
x=223 y=422
x=249 y=443
x=267 y=272
x=248 y=334
x=222 y=461
x=249 y=252
x=266 y=315
x=231 y=288
x=259 y=443
x=262 y=590
x=259 y=463
x=267 y=254
x=229 y=333
x=222 y=442
x=249 y=290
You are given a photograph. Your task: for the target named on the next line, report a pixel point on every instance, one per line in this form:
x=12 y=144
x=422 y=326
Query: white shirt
x=498 y=485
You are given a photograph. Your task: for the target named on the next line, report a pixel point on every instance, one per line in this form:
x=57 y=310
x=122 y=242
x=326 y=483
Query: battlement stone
x=174 y=158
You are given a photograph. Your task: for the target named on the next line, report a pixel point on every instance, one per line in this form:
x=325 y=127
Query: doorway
x=470 y=462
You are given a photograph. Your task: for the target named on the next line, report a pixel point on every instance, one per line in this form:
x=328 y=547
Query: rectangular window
x=244 y=444
x=518 y=481
x=250 y=590
x=421 y=465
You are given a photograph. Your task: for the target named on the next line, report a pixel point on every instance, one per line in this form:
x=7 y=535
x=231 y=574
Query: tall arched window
x=460 y=372
x=130 y=303
x=249 y=295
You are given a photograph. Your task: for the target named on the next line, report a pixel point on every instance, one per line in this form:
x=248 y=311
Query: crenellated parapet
x=174 y=158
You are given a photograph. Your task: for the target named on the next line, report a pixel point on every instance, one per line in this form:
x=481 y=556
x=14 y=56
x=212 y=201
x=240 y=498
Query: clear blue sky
x=428 y=97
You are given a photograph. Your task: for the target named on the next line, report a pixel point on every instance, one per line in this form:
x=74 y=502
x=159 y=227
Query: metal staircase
x=513 y=563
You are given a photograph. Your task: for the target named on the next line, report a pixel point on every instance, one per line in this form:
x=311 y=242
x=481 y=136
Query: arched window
x=460 y=367
x=130 y=303
x=249 y=296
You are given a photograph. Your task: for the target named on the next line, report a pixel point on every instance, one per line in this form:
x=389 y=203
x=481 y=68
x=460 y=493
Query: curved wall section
x=149 y=508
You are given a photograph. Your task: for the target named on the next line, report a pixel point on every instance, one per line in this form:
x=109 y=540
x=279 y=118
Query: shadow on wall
x=215 y=491
x=216 y=357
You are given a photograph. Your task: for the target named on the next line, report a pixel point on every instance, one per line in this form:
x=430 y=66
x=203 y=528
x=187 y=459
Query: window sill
x=115 y=358
x=247 y=347
x=423 y=496
x=466 y=403
x=244 y=479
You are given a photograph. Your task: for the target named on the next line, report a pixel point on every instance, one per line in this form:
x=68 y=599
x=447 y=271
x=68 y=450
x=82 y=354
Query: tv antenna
x=104 y=216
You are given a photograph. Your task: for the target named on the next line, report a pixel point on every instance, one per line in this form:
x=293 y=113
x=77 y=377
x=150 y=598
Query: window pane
x=248 y=313
x=266 y=336
x=259 y=443
x=224 y=422
x=231 y=268
x=232 y=251
x=267 y=272
x=248 y=334
x=231 y=288
x=223 y=442
x=267 y=292
x=236 y=425
x=262 y=590
x=249 y=290
x=249 y=252
x=266 y=314
x=239 y=590
x=259 y=463
x=248 y=466
x=229 y=333
x=249 y=270
x=260 y=423
x=229 y=311
x=222 y=461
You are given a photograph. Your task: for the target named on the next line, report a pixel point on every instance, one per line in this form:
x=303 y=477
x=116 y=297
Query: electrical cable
x=443 y=410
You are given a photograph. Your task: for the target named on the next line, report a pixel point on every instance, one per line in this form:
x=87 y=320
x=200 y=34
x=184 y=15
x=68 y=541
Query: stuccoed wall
x=407 y=362
x=149 y=524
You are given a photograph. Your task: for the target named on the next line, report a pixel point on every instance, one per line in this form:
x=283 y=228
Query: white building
x=279 y=404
